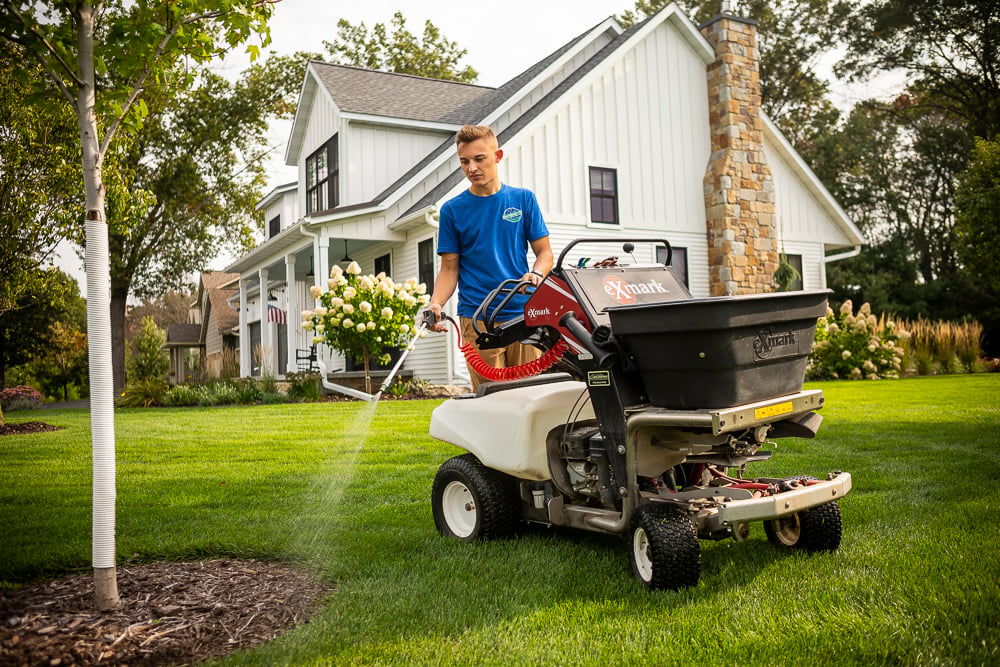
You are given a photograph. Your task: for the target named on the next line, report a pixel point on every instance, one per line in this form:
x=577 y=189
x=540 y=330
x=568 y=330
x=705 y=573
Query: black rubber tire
x=663 y=548
x=815 y=529
x=473 y=502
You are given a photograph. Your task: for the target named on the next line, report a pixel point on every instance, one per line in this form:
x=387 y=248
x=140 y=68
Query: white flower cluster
x=364 y=315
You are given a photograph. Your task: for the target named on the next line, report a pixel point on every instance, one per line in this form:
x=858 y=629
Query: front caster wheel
x=815 y=529
x=471 y=501
x=664 y=550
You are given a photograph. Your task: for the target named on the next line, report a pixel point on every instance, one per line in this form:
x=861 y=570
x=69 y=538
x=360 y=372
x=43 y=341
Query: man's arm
x=444 y=287
x=543 y=261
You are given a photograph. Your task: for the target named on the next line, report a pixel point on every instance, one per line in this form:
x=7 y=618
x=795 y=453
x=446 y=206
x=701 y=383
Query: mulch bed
x=26 y=427
x=171 y=614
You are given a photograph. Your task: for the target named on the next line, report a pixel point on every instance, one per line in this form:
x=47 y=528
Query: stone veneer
x=739 y=190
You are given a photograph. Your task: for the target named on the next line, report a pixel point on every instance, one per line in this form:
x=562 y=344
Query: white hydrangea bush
x=858 y=346
x=364 y=317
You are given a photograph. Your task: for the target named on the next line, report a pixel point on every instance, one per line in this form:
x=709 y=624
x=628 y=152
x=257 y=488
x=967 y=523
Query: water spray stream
x=395 y=369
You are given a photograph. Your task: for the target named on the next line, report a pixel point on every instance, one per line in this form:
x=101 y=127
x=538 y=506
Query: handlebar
x=487 y=312
x=562 y=255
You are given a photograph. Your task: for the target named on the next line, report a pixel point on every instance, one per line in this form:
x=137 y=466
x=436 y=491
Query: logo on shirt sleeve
x=512 y=215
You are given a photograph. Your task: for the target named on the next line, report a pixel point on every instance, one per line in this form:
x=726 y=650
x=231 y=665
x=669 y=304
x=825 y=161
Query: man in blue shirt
x=483 y=239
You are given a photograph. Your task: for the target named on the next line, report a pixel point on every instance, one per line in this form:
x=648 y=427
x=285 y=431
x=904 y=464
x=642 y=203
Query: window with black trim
x=678 y=262
x=604 y=195
x=323 y=177
x=791 y=266
x=274 y=226
x=383 y=264
x=425 y=262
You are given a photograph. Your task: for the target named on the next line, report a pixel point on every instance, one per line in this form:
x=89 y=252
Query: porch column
x=244 y=330
x=292 y=308
x=323 y=265
x=267 y=351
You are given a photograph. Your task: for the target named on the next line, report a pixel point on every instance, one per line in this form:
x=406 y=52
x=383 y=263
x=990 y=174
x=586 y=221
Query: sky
x=503 y=39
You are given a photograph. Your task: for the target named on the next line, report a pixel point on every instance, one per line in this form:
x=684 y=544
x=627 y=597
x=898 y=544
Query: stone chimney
x=739 y=190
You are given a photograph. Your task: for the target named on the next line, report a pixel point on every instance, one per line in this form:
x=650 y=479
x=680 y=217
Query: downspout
x=323 y=371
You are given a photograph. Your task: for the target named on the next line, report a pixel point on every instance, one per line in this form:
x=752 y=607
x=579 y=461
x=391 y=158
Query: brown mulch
x=171 y=614
x=26 y=427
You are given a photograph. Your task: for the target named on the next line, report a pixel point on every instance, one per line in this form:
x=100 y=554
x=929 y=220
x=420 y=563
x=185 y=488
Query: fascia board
x=392 y=121
x=310 y=86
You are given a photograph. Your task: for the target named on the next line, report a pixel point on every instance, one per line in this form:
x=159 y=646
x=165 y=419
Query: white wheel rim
x=459 y=509
x=640 y=552
x=788 y=530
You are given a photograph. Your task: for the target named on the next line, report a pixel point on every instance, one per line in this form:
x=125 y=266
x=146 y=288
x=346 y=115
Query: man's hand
x=439 y=324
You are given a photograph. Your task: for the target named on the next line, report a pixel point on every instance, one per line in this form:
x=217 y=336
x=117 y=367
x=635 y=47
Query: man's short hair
x=470 y=133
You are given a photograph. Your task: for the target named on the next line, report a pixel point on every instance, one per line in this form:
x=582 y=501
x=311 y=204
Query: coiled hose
x=543 y=363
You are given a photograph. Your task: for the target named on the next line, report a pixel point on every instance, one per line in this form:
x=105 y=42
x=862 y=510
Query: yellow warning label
x=772 y=410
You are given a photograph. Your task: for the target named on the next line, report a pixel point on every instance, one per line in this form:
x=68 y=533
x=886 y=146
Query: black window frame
x=323 y=193
x=425 y=262
x=795 y=261
x=602 y=198
x=384 y=263
x=678 y=262
x=274 y=226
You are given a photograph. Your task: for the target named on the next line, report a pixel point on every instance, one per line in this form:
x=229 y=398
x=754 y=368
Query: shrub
x=146 y=393
x=147 y=358
x=181 y=395
x=944 y=347
x=246 y=390
x=303 y=386
x=850 y=346
x=20 y=397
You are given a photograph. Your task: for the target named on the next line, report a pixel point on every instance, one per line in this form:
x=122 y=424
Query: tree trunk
x=102 y=418
x=118 y=306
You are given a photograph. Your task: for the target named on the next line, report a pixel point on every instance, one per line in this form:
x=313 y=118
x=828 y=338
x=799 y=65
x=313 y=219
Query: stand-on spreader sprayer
x=663 y=402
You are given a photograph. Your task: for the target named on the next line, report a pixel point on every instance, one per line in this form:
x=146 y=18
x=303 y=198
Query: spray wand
x=426 y=320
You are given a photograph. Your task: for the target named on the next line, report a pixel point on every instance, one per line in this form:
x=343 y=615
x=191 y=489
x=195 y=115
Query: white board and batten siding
x=377 y=155
x=616 y=117
x=324 y=122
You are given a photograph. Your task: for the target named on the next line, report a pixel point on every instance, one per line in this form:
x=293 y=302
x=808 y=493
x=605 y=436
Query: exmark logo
x=766 y=342
x=538 y=312
x=625 y=292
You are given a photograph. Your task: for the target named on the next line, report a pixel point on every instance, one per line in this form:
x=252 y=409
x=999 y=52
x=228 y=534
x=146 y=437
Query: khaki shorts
x=514 y=354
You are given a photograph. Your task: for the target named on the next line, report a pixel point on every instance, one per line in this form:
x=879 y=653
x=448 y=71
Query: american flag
x=275 y=314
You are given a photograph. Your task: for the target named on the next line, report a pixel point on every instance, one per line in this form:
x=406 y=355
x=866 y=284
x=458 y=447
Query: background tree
x=184 y=186
x=40 y=200
x=65 y=362
x=54 y=297
x=399 y=51
x=793 y=37
x=129 y=49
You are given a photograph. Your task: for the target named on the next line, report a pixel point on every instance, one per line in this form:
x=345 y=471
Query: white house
x=654 y=131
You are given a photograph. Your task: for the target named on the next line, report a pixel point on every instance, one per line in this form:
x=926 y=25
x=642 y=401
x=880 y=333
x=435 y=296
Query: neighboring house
x=651 y=132
x=219 y=329
x=183 y=345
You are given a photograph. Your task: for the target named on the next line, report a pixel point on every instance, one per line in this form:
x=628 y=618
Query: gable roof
x=374 y=93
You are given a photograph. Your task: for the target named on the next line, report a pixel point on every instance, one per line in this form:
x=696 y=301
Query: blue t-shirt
x=491 y=236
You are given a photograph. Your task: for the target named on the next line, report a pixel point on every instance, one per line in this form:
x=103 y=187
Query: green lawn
x=916 y=580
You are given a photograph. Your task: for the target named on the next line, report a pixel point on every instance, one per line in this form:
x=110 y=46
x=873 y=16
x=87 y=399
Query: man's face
x=479 y=160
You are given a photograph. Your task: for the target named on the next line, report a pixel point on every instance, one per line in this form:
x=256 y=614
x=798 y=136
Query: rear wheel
x=471 y=501
x=664 y=551
x=815 y=529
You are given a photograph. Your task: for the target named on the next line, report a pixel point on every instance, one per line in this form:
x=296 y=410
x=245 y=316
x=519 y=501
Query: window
x=383 y=264
x=603 y=195
x=323 y=178
x=425 y=263
x=678 y=262
x=274 y=226
x=791 y=267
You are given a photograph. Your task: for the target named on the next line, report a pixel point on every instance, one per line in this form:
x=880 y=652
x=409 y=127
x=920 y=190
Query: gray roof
x=357 y=90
